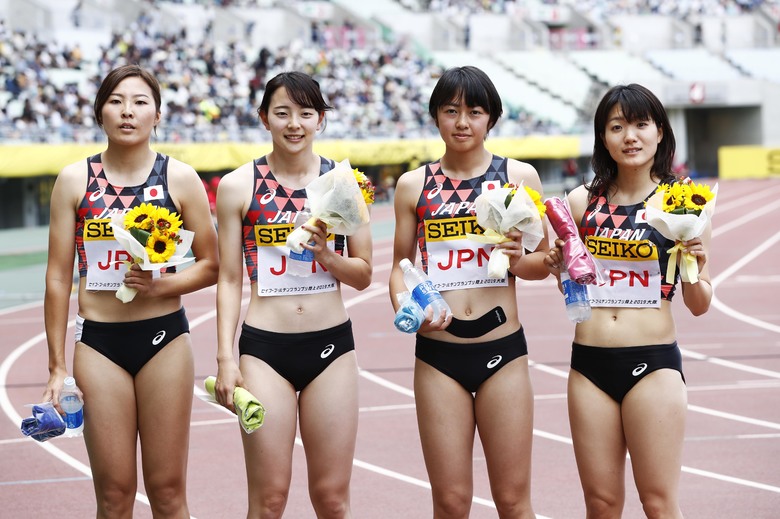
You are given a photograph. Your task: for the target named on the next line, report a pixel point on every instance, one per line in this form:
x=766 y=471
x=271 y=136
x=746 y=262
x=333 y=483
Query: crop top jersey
x=271 y=216
x=445 y=214
x=100 y=257
x=633 y=254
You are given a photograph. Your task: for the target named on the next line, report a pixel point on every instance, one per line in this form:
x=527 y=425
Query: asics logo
x=159 y=337
x=327 y=351
x=268 y=196
x=639 y=369
x=494 y=361
x=95 y=195
x=435 y=191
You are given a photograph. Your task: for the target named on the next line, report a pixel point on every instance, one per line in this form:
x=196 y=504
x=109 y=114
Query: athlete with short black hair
x=471 y=370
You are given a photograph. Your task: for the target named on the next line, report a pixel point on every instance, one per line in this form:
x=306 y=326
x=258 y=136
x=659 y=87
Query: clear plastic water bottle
x=300 y=263
x=71 y=403
x=423 y=291
x=576 y=297
x=409 y=316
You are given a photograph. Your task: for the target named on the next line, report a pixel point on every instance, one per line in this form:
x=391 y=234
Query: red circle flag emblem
x=153 y=193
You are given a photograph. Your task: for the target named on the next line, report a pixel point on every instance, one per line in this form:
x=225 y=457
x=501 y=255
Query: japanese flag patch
x=153 y=193
x=489 y=185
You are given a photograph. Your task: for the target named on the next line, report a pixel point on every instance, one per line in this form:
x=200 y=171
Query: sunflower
x=166 y=221
x=698 y=197
x=366 y=187
x=160 y=247
x=140 y=217
x=673 y=195
x=537 y=199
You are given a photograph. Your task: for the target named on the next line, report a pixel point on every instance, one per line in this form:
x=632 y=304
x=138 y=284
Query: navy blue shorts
x=298 y=357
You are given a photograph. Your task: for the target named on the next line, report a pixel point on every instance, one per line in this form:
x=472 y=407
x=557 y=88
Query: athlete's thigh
x=328 y=411
x=597 y=432
x=164 y=389
x=654 y=423
x=504 y=410
x=268 y=451
x=110 y=417
x=445 y=419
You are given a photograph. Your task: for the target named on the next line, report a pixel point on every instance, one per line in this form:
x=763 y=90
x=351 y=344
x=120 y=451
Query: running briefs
x=298 y=357
x=132 y=344
x=617 y=370
x=471 y=364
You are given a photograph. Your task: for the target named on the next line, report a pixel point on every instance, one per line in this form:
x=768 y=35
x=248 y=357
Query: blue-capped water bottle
x=300 y=263
x=409 y=316
x=71 y=403
x=422 y=290
x=576 y=297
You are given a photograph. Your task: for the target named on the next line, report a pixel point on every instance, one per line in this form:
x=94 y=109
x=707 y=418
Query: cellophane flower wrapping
x=497 y=218
x=679 y=227
x=336 y=199
x=578 y=260
x=140 y=255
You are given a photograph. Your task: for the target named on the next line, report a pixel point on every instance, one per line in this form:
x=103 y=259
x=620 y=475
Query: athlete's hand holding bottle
x=437 y=312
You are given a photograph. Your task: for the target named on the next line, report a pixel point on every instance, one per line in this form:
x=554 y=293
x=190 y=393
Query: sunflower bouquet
x=340 y=198
x=154 y=238
x=501 y=210
x=680 y=211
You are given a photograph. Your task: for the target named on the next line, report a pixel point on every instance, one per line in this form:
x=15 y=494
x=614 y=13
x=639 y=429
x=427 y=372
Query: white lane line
x=731 y=364
x=43 y=481
x=731 y=270
x=749 y=200
x=734 y=417
x=5 y=404
x=737 y=222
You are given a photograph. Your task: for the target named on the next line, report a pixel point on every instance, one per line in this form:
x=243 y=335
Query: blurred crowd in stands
x=596 y=8
x=211 y=90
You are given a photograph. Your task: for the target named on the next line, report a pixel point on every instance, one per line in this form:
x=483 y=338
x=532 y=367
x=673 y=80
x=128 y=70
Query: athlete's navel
x=299 y=310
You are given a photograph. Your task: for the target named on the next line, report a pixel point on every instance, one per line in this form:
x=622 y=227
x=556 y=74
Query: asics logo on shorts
x=159 y=337
x=327 y=351
x=494 y=361
x=435 y=191
x=639 y=369
x=268 y=196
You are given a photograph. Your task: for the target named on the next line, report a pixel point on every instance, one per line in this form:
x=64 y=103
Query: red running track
x=731 y=361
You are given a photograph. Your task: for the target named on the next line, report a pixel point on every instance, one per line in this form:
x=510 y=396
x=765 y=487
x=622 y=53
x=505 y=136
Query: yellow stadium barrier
x=27 y=160
x=748 y=162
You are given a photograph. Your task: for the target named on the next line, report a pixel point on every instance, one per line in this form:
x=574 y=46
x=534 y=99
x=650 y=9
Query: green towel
x=252 y=412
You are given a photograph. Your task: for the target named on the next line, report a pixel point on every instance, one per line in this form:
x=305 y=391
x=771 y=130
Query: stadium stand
x=712 y=61
x=757 y=63
x=615 y=66
x=692 y=64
